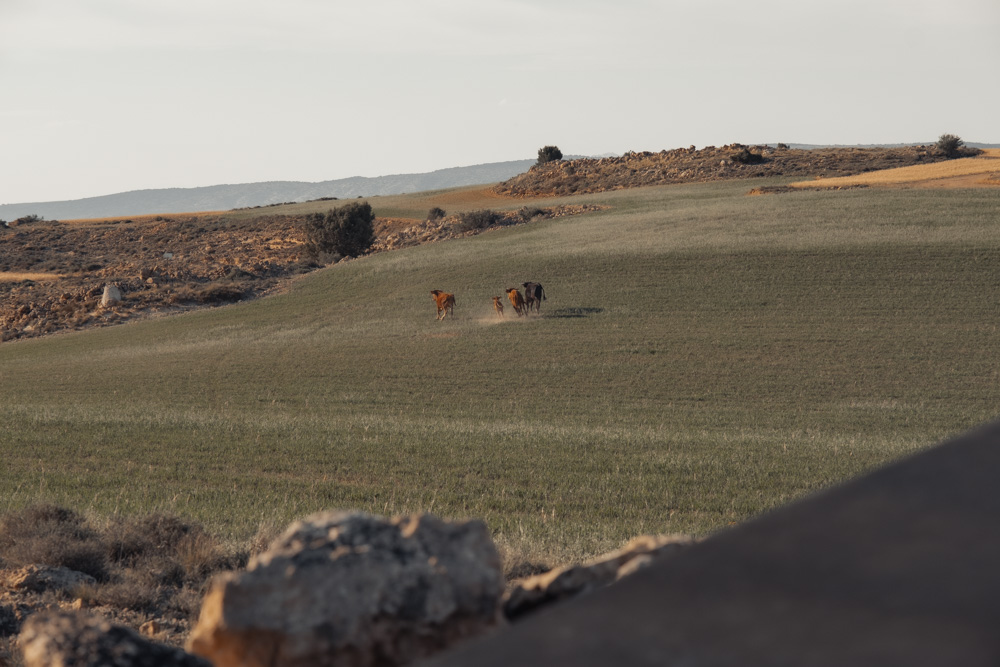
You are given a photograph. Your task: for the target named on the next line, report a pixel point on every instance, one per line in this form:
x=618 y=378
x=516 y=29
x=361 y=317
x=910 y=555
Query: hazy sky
x=105 y=96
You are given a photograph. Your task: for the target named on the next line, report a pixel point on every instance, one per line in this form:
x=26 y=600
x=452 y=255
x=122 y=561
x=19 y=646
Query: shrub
x=470 y=220
x=348 y=231
x=549 y=154
x=528 y=213
x=53 y=536
x=746 y=156
x=950 y=145
x=436 y=213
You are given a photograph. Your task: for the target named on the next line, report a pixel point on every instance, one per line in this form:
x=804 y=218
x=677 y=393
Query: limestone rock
x=39 y=578
x=354 y=589
x=82 y=640
x=112 y=295
x=530 y=593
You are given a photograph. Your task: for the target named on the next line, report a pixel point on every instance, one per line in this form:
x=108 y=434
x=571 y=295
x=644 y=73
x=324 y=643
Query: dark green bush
x=348 y=231
x=950 y=145
x=436 y=213
x=549 y=154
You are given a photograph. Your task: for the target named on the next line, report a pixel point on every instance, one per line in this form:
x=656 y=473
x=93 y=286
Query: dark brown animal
x=533 y=295
x=516 y=300
x=445 y=303
x=498 y=306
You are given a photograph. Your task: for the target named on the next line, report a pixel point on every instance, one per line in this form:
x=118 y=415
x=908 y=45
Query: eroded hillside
x=53 y=274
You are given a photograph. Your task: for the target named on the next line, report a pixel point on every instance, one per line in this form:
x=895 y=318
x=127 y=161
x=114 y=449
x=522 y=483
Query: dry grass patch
x=151 y=217
x=963 y=172
x=21 y=276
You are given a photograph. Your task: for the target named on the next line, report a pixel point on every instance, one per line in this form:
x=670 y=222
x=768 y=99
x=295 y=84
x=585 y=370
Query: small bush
x=53 y=536
x=549 y=154
x=529 y=213
x=471 y=220
x=347 y=231
x=436 y=214
x=746 y=156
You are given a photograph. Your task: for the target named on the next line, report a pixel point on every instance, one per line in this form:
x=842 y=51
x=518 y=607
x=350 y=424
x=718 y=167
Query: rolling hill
x=225 y=197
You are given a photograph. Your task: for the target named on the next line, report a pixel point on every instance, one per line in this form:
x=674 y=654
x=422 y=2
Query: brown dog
x=516 y=300
x=498 y=306
x=445 y=303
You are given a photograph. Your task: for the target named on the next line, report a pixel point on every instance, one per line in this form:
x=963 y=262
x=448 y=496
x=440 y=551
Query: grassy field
x=702 y=357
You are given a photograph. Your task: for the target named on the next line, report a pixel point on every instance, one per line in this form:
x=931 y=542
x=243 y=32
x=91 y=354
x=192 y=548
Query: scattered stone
x=112 y=295
x=354 y=589
x=64 y=638
x=531 y=593
x=39 y=578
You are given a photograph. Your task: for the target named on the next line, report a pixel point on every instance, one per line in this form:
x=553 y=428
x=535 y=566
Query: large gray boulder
x=354 y=589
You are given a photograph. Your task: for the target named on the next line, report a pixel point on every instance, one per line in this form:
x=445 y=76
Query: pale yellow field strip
x=149 y=217
x=15 y=277
x=982 y=165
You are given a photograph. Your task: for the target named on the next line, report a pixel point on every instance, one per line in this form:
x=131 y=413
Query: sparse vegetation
x=155 y=565
x=549 y=154
x=436 y=213
x=348 y=230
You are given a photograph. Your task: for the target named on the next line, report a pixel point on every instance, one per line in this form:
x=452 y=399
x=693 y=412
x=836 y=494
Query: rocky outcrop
x=354 y=589
x=688 y=165
x=531 y=593
x=40 y=578
x=70 y=638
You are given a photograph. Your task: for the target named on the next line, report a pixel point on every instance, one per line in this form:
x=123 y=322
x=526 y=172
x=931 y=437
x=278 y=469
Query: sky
x=105 y=96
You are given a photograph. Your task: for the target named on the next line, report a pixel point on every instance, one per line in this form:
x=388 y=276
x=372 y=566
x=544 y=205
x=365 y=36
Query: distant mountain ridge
x=225 y=197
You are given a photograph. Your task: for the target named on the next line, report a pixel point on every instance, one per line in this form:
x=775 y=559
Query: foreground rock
x=529 y=594
x=81 y=640
x=354 y=589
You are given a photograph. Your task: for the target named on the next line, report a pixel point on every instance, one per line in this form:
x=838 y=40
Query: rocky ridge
x=691 y=165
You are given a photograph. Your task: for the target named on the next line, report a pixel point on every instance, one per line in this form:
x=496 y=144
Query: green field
x=703 y=356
